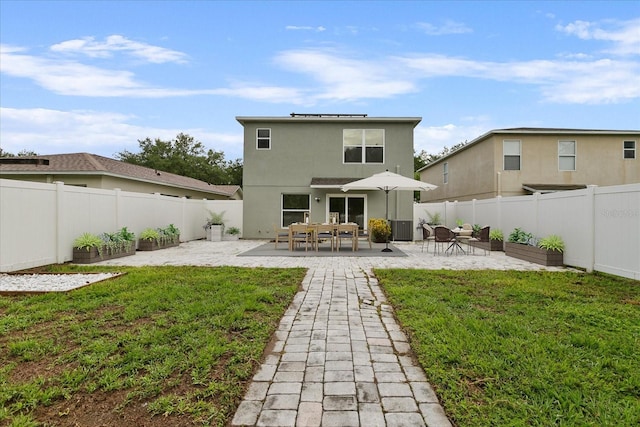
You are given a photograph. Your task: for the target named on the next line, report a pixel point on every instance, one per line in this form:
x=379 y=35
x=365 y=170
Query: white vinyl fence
x=39 y=222
x=599 y=225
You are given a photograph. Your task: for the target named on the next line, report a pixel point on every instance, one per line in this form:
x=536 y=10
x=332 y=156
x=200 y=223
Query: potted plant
x=159 y=238
x=215 y=226
x=497 y=239
x=434 y=219
x=89 y=248
x=546 y=251
x=380 y=230
x=232 y=233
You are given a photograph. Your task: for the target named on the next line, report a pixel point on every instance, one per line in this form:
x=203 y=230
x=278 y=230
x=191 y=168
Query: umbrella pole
x=386 y=215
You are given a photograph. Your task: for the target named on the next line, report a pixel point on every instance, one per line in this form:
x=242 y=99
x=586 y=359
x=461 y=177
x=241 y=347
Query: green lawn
x=170 y=345
x=524 y=348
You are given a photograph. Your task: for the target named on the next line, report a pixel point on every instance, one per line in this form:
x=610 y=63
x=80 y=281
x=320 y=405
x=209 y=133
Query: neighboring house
x=294 y=166
x=519 y=161
x=90 y=170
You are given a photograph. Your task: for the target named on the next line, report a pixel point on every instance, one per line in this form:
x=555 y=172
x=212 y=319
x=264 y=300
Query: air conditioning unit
x=401 y=230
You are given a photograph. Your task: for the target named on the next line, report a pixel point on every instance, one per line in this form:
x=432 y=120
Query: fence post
x=473 y=211
x=60 y=245
x=591 y=230
x=499 y=214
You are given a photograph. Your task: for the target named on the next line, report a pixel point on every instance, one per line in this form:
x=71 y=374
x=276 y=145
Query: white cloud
x=47 y=131
x=105 y=49
x=346 y=79
x=72 y=78
x=432 y=139
x=317 y=29
x=624 y=35
x=449 y=27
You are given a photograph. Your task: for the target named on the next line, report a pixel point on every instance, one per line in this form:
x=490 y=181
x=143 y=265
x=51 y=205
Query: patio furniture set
x=313 y=235
x=453 y=238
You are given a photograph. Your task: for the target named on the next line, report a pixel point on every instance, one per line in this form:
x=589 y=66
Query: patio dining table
x=311 y=229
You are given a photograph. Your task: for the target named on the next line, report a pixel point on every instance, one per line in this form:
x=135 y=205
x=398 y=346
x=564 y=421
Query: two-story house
x=519 y=161
x=294 y=167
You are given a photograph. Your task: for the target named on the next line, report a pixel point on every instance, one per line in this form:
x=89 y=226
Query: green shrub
x=380 y=230
x=552 y=242
x=496 y=234
x=520 y=236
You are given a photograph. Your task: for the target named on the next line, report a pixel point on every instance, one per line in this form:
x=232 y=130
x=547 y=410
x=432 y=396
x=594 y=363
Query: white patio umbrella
x=388 y=181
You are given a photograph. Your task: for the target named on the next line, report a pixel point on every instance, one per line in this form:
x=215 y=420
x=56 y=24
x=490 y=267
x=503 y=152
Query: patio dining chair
x=428 y=235
x=299 y=233
x=443 y=235
x=348 y=232
x=365 y=235
x=324 y=232
x=483 y=236
x=280 y=235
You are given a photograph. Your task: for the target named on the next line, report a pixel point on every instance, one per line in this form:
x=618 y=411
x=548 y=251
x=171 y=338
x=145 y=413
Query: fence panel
x=599 y=225
x=617 y=230
x=39 y=222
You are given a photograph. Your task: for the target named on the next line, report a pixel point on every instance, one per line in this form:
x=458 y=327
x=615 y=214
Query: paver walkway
x=338 y=357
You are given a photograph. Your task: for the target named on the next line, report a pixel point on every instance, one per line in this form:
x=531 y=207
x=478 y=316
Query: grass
x=177 y=343
x=524 y=348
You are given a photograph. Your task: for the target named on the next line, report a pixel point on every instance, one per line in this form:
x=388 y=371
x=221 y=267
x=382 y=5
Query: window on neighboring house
x=445 y=172
x=511 y=150
x=567 y=155
x=363 y=145
x=263 y=139
x=294 y=208
x=629 y=150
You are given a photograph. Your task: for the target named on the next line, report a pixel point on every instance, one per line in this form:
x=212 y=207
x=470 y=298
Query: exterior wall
x=477 y=171
x=110 y=182
x=305 y=148
x=471 y=175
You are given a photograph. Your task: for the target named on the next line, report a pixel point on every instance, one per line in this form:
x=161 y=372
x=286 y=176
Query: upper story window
x=445 y=172
x=629 y=150
x=567 y=155
x=263 y=139
x=511 y=149
x=363 y=145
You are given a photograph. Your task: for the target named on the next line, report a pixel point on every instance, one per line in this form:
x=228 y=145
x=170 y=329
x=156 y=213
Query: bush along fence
x=152 y=239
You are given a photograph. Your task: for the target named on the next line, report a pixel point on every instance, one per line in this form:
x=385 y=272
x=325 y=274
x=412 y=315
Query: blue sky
x=90 y=76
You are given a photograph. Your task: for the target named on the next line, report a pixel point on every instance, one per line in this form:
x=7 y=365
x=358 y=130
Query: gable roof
x=532 y=131
x=93 y=164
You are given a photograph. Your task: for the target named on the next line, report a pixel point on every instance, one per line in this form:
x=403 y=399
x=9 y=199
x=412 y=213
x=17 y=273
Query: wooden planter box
x=83 y=256
x=491 y=245
x=533 y=254
x=152 y=245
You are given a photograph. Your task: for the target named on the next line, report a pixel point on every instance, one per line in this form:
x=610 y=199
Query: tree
x=21 y=153
x=187 y=157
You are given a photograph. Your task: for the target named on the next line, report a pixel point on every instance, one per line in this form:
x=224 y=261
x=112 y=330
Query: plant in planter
x=547 y=251
x=215 y=226
x=232 y=233
x=159 y=238
x=380 y=230
x=90 y=248
x=434 y=219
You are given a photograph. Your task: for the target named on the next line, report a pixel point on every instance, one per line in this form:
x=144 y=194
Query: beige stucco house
x=512 y=162
x=93 y=171
x=294 y=166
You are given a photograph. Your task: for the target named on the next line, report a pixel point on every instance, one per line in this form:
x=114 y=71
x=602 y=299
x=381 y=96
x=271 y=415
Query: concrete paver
x=339 y=358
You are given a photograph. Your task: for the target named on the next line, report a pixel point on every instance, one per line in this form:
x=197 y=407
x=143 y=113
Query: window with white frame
x=566 y=155
x=512 y=151
x=263 y=139
x=363 y=145
x=294 y=208
x=629 y=150
x=445 y=172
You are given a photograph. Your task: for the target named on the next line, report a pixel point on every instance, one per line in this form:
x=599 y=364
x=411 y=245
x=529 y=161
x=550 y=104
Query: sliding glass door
x=352 y=208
